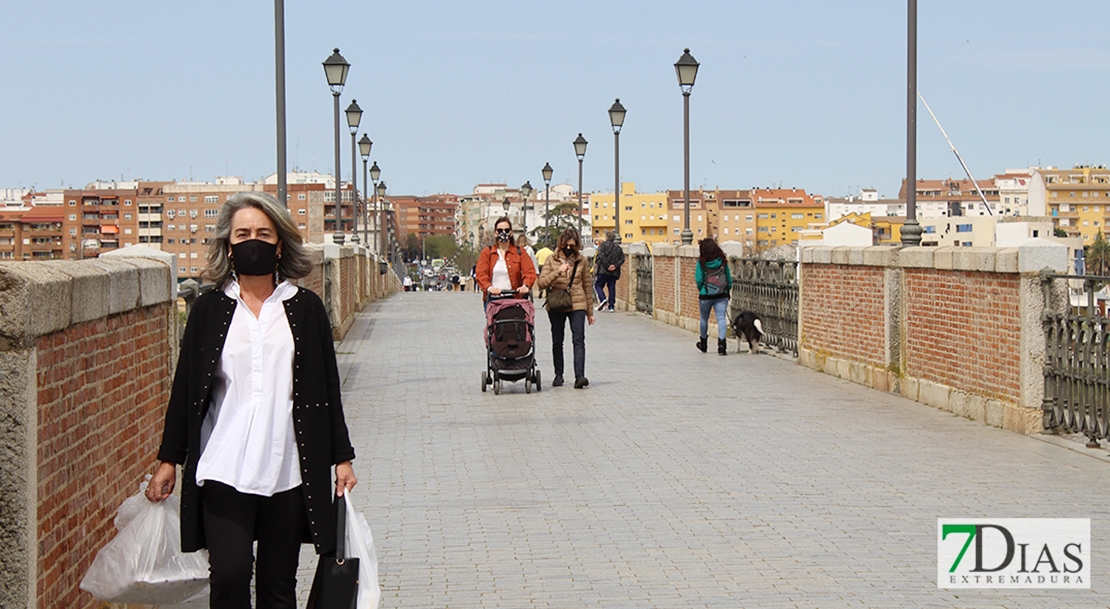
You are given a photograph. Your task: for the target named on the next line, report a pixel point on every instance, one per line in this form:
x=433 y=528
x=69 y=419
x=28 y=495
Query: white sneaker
x=601 y=305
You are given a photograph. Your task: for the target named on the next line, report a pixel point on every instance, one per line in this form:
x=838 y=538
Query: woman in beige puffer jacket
x=556 y=275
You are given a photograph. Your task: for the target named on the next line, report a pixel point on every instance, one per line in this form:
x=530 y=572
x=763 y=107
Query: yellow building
x=1077 y=199
x=643 y=215
x=782 y=214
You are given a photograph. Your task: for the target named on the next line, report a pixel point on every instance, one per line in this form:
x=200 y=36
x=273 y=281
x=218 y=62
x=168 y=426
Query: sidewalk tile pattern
x=676 y=479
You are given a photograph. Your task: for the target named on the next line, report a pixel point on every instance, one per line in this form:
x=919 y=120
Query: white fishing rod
x=957 y=153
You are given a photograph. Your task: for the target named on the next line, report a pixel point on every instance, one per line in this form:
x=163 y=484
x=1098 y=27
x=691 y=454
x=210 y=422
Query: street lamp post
x=525 y=191
x=376 y=173
x=381 y=213
x=687 y=70
x=911 y=230
x=364 y=145
x=616 y=119
x=580 y=151
x=547 y=172
x=335 y=68
x=354 y=117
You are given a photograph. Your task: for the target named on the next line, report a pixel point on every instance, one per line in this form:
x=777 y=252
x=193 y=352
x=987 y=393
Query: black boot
x=701 y=344
x=722 y=346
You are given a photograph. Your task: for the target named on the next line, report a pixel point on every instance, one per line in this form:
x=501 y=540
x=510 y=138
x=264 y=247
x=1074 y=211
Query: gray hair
x=294 y=262
x=611 y=235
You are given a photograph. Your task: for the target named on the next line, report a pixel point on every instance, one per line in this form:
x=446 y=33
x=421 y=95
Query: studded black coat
x=321 y=431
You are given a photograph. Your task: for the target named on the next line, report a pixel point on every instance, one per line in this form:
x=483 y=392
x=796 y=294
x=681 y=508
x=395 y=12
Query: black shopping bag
x=336 y=583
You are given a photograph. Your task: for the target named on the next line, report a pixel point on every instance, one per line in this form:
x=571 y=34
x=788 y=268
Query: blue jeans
x=720 y=307
x=603 y=282
x=578 y=338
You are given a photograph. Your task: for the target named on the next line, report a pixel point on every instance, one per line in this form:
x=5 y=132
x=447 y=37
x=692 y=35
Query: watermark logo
x=1014 y=552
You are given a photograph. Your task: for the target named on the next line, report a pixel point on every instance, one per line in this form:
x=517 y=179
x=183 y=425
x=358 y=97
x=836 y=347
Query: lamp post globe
x=335 y=69
x=686 y=69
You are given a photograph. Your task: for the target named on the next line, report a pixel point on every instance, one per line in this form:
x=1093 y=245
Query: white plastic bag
x=144 y=563
x=360 y=545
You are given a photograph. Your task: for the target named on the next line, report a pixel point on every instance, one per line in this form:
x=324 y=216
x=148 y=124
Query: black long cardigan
x=322 y=438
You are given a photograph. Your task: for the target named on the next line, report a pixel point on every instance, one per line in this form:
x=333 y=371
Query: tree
x=1059 y=232
x=1097 y=256
x=557 y=219
x=440 y=246
x=411 y=249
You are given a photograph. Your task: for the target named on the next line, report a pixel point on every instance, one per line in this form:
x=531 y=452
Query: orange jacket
x=521 y=271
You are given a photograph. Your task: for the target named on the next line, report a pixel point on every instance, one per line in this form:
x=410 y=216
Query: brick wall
x=955 y=328
x=846 y=314
x=961 y=330
x=674 y=289
x=102 y=390
x=663 y=277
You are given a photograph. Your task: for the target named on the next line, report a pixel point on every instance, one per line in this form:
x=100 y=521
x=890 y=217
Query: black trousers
x=232 y=521
x=577 y=337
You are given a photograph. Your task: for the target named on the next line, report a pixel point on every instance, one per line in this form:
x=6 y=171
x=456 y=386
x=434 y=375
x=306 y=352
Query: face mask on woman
x=503 y=234
x=570 y=252
x=254 y=257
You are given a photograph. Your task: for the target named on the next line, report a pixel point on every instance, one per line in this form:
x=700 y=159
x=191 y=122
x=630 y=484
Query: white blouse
x=500 y=276
x=247 y=438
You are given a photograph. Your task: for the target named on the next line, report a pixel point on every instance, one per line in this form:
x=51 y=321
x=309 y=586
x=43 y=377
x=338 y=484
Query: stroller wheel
x=536 y=380
x=527 y=385
x=485 y=381
x=497 y=386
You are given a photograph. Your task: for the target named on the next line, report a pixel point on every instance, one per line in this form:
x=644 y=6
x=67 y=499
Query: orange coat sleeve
x=484 y=274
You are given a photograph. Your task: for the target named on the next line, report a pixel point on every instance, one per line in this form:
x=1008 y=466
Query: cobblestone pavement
x=676 y=479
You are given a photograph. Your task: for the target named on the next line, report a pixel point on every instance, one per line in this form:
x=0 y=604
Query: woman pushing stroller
x=504 y=267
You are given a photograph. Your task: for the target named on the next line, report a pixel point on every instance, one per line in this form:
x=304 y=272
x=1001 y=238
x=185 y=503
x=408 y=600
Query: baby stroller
x=510 y=343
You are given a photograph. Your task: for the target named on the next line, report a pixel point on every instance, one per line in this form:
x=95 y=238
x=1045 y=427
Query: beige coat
x=552 y=279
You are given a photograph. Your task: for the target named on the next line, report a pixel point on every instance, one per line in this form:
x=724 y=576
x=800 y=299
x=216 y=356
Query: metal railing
x=768 y=288
x=1077 y=362
x=642 y=266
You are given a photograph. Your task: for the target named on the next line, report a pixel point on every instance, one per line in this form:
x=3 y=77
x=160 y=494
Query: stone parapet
x=956 y=328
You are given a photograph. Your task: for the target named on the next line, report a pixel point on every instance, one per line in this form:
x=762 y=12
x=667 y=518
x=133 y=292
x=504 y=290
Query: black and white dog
x=747 y=327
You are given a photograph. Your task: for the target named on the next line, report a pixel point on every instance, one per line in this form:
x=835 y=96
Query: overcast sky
x=806 y=93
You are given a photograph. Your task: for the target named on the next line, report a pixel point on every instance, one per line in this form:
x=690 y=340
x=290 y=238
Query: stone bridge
x=676 y=479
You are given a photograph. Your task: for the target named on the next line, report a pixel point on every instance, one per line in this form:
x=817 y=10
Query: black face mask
x=504 y=234
x=254 y=257
x=570 y=251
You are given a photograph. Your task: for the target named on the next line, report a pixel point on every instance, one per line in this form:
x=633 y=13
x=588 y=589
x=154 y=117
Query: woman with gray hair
x=255 y=417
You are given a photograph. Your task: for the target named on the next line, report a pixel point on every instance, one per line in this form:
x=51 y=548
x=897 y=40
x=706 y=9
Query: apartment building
x=1077 y=199
x=423 y=216
x=782 y=214
x=1013 y=193
x=951 y=197
x=31 y=233
x=726 y=215
x=643 y=215
x=101 y=217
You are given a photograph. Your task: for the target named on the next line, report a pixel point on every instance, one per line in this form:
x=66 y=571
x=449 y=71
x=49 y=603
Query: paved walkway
x=676 y=479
